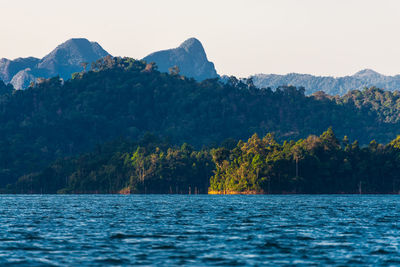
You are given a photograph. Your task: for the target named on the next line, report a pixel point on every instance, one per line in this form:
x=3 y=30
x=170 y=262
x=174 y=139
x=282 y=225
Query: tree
x=174 y=71
x=84 y=65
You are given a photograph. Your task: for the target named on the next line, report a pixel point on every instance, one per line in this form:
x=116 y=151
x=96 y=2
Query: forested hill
x=315 y=165
x=124 y=97
x=328 y=84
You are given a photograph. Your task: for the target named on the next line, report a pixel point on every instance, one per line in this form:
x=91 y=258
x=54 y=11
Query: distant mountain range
x=64 y=60
x=68 y=57
x=330 y=85
x=191 y=59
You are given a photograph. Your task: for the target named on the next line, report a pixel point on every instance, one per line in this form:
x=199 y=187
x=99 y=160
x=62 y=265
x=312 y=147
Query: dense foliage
x=5 y=89
x=321 y=164
x=385 y=103
x=122 y=97
x=149 y=166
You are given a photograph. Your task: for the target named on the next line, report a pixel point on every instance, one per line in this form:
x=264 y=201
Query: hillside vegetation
x=122 y=97
x=317 y=165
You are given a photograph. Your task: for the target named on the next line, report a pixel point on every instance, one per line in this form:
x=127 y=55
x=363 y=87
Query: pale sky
x=321 y=37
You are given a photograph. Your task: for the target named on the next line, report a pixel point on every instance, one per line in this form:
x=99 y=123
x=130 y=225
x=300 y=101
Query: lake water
x=65 y=230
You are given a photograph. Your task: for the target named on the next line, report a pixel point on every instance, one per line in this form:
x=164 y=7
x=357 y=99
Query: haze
x=241 y=37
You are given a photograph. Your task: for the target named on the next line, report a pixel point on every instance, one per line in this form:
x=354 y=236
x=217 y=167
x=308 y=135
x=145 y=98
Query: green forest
x=149 y=166
x=315 y=165
x=67 y=130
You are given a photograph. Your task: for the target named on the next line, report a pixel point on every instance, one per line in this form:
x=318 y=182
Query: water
x=199 y=230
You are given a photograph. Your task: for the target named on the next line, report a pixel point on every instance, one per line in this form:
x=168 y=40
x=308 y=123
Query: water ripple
x=98 y=230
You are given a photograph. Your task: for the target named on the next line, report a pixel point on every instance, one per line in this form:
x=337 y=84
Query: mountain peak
x=190 y=57
x=79 y=39
x=76 y=41
x=366 y=73
x=67 y=57
x=79 y=47
x=64 y=60
x=82 y=44
x=192 y=44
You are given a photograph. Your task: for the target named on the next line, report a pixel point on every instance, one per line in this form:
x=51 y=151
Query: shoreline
x=214 y=192
x=209 y=193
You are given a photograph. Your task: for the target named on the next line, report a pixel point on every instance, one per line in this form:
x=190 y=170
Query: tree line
x=126 y=98
x=315 y=165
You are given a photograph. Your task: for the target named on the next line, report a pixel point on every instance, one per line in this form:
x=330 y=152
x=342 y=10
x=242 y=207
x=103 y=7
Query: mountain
x=330 y=85
x=64 y=60
x=122 y=97
x=190 y=58
x=67 y=57
x=23 y=79
x=8 y=68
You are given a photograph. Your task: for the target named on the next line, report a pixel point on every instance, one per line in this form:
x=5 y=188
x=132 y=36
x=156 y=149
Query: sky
x=320 y=37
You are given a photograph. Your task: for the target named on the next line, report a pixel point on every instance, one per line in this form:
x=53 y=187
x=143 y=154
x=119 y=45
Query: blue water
x=65 y=230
